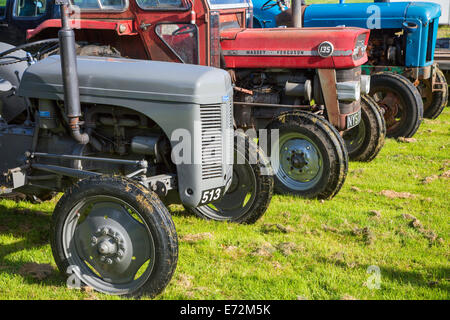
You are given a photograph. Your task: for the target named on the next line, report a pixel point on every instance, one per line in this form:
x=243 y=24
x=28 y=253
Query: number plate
x=211 y=195
x=354 y=119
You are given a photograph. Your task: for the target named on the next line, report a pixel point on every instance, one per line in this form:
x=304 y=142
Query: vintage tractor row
x=406 y=82
x=294 y=81
x=106 y=132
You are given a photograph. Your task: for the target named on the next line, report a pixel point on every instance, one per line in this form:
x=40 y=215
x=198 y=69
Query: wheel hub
x=109 y=244
x=299 y=160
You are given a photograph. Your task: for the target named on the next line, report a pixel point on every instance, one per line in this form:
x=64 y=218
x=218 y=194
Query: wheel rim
x=238 y=199
x=300 y=164
x=395 y=113
x=109 y=243
x=355 y=137
x=426 y=93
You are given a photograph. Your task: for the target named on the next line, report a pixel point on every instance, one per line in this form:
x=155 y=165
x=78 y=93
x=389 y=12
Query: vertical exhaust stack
x=69 y=73
x=297 y=13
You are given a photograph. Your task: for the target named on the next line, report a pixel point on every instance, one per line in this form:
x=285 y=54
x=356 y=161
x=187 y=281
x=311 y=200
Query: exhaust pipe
x=69 y=73
x=297 y=13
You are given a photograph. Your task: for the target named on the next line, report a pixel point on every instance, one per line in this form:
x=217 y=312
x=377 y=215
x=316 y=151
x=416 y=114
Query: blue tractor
x=405 y=80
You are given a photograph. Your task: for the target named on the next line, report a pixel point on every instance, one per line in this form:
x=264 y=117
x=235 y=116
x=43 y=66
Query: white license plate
x=354 y=119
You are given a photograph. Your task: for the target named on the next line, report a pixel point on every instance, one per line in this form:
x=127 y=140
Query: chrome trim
x=365 y=84
x=336 y=53
x=348 y=90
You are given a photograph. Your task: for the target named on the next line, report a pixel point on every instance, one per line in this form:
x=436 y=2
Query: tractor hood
x=294 y=48
x=128 y=79
x=370 y=15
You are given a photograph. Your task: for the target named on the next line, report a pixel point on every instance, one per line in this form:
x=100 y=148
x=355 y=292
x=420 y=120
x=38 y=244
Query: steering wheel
x=268 y=5
x=187 y=28
x=35 y=50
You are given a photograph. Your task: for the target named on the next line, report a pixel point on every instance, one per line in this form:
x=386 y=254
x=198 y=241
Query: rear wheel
x=365 y=141
x=434 y=102
x=249 y=195
x=115 y=236
x=312 y=160
x=401 y=101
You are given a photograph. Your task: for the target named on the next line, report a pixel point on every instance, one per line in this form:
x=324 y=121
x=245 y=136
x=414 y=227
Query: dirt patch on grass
x=276 y=227
x=366 y=233
x=288 y=248
x=428 y=234
x=265 y=249
x=406 y=140
x=192 y=238
x=38 y=271
x=397 y=195
x=375 y=214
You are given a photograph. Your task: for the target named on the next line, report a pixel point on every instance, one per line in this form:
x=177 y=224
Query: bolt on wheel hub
x=109 y=244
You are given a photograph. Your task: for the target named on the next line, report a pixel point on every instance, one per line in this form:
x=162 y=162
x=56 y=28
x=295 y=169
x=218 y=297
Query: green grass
x=328 y=252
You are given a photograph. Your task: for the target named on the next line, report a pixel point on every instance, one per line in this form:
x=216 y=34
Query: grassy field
x=392 y=213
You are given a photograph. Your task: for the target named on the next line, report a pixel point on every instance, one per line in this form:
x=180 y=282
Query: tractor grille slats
x=212 y=144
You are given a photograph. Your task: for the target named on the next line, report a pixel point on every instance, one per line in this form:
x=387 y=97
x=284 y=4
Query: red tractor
x=306 y=83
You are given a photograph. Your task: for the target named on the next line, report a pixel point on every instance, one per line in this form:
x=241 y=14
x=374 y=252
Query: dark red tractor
x=303 y=87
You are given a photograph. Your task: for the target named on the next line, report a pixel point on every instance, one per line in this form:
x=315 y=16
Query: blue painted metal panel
x=419 y=20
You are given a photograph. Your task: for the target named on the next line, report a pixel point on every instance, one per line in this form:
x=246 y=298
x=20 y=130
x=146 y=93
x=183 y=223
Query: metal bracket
x=160 y=184
x=327 y=79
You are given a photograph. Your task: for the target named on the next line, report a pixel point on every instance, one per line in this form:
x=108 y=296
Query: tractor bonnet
x=128 y=79
x=369 y=15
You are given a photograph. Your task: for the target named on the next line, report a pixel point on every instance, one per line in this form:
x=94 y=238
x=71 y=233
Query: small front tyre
x=365 y=141
x=312 y=160
x=115 y=236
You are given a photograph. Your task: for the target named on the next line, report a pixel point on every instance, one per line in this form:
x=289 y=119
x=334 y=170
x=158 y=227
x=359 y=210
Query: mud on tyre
x=313 y=161
x=118 y=237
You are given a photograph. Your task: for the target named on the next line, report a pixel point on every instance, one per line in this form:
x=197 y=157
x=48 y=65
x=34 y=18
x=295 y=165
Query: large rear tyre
x=401 y=101
x=365 y=141
x=312 y=160
x=249 y=195
x=115 y=236
x=434 y=102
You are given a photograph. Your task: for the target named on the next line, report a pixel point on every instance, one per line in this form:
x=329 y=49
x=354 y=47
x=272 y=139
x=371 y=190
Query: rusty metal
x=394 y=114
x=243 y=90
x=327 y=79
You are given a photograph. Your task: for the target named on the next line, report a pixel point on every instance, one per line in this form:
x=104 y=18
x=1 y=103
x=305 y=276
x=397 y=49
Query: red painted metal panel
x=289 y=47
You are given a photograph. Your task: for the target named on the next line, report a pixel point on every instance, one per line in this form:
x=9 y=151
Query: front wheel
x=312 y=160
x=249 y=195
x=115 y=236
x=365 y=141
x=401 y=101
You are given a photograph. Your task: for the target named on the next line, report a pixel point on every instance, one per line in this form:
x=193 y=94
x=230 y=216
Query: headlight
x=360 y=47
x=365 y=84
x=348 y=90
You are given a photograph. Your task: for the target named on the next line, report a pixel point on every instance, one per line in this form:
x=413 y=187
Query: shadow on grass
x=32 y=229
x=433 y=278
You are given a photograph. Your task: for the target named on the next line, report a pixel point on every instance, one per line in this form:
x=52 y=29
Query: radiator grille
x=212 y=144
x=431 y=40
